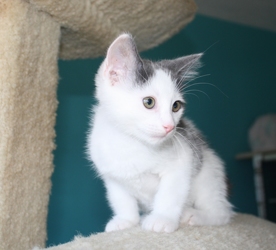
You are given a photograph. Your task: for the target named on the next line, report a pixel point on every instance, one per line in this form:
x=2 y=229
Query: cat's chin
x=157 y=140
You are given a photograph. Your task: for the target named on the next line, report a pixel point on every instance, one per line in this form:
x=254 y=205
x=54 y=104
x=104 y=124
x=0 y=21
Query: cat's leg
x=124 y=206
x=169 y=200
x=197 y=217
x=209 y=192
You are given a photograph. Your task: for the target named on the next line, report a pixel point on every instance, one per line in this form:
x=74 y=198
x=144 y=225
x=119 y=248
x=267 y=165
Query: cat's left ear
x=121 y=59
x=184 y=68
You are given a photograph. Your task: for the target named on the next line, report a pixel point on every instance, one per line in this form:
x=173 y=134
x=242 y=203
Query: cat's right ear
x=121 y=59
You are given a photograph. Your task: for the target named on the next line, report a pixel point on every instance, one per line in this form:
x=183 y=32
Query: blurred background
x=239 y=60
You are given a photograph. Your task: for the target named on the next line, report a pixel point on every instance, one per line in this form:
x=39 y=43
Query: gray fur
x=145 y=70
x=180 y=69
x=194 y=138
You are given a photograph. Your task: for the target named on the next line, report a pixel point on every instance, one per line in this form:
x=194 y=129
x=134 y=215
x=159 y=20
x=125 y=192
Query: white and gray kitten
x=153 y=162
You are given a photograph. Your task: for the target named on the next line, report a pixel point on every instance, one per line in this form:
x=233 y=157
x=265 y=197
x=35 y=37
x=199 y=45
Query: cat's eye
x=149 y=102
x=176 y=106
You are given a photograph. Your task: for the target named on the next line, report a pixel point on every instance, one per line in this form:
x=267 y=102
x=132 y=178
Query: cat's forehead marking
x=170 y=68
x=162 y=84
x=144 y=72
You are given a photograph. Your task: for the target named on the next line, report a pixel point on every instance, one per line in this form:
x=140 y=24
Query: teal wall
x=241 y=64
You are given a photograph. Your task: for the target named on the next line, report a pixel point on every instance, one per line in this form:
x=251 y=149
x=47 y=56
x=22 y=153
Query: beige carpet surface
x=89 y=26
x=244 y=232
x=28 y=80
x=33 y=35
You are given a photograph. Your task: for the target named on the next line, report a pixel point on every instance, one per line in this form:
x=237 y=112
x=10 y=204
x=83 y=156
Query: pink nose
x=168 y=128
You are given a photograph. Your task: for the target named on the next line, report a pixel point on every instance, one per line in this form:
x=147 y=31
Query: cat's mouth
x=163 y=135
x=157 y=137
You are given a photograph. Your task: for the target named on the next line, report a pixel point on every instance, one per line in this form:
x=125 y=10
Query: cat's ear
x=184 y=68
x=121 y=59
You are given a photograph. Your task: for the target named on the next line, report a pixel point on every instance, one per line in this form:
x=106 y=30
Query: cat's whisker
x=178 y=85
x=210 y=47
x=193 y=95
x=200 y=91
x=185 y=84
x=191 y=77
x=184 y=87
x=199 y=83
x=205 y=83
x=190 y=65
x=179 y=142
x=193 y=147
x=175 y=146
x=188 y=72
x=187 y=131
x=193 y=133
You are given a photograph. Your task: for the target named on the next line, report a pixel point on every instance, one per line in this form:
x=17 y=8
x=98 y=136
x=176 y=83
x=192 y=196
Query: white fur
x=144 y=168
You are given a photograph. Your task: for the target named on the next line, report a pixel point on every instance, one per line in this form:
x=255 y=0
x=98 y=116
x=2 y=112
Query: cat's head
x=141 y=97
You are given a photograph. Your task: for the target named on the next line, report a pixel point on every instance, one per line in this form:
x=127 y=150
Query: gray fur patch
x=181 y=69
x=145 y=70
x=194 y=139
x=170 y=68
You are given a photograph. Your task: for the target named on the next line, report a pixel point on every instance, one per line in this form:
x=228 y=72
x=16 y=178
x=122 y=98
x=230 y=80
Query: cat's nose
x=168 y=128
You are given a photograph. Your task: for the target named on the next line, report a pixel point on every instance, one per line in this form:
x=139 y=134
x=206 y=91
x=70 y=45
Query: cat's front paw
x=117 y=223
x=159 y=223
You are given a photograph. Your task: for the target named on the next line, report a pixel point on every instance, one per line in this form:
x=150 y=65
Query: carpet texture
x=33 y=35
x=244 y=232
x=28 y=79
x=89 y=26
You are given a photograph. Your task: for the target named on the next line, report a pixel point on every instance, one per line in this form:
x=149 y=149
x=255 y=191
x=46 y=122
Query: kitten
x=152 y=161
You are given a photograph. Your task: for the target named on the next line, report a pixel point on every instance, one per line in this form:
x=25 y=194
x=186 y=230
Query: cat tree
x=33 y=35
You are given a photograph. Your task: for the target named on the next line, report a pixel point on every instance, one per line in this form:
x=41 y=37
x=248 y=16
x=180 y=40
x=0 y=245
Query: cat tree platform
x=244 y=232
x=33 y=35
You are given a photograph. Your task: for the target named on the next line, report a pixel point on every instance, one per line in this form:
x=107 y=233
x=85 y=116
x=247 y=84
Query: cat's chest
x=123 y=156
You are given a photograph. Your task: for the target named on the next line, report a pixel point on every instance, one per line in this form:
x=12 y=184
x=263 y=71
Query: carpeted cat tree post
x=33 y=35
